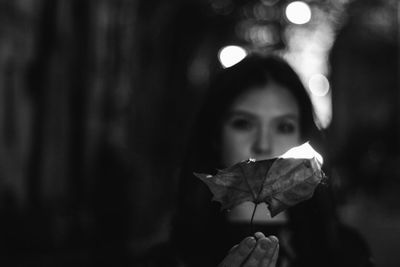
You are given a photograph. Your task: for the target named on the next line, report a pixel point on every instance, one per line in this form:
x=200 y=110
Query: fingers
x=238 y=254
x=257 y=251
x=265 y=254
x=275 y=257
x=271 y=257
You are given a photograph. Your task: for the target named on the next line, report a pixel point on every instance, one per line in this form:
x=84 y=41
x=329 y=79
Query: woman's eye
x=286 y=127
x=241 y=124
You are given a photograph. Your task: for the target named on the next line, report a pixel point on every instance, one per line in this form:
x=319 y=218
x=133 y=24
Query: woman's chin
x=243 y=213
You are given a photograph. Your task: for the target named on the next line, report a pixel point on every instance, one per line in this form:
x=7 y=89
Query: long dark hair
x=197 y=217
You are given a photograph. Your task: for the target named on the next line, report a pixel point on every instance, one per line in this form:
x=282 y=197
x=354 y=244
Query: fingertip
x=259 y=235
x=233 y=248
x=274 y=239
x=250 y=241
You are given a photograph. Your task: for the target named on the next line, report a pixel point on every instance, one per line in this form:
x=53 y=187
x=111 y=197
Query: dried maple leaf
x=280 y=182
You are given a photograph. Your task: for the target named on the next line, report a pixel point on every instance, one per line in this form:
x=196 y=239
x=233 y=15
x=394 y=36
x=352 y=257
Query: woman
x=257 y=109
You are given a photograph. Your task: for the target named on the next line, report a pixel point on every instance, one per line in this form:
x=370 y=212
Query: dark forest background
x=96 y=103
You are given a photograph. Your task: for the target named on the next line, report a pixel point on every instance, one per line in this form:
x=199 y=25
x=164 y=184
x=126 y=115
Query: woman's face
x=262 y=123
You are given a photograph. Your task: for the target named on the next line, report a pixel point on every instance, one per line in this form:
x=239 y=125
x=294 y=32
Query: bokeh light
x=318 y=85
x=231 y=55
x=298 y=12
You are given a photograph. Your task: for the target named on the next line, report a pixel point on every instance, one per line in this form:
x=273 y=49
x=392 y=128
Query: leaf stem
x=251 y=220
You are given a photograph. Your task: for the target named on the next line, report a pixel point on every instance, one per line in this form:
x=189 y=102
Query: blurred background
x=97 y=100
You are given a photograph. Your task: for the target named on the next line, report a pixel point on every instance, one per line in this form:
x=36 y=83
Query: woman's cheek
x=285 y=143
x=236 y=148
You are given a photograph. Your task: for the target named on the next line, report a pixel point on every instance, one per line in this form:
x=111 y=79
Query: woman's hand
x=257 y=251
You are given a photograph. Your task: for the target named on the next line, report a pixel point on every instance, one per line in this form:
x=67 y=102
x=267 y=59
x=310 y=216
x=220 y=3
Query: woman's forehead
x=272 y=98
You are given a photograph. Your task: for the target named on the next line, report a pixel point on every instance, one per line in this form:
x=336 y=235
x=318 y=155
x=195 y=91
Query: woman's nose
x=262 y=145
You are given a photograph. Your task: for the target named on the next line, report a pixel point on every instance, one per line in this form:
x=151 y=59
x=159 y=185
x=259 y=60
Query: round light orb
x=318 y=85
x=298 y=12
x=231 y=55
